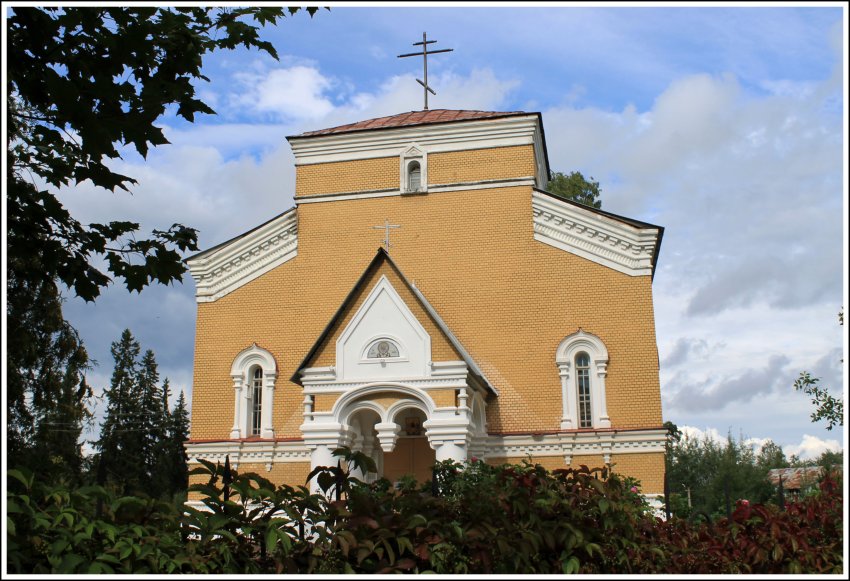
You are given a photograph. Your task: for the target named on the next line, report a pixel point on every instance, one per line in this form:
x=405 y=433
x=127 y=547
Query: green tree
x=152 y=422
x=178 y=433
x=46 y=387
x=576 y=188
x=84 y=85
x=120 y=447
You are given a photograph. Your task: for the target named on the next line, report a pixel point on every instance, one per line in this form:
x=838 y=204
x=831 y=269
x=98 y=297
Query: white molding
x=436 y=138
x=432 y=189
x=225 y=269
x=625 y=248
x=577 y=443
x=324 y=386
x=262 y=452
x=399 y=323
x=570 y=346
x=414 y=153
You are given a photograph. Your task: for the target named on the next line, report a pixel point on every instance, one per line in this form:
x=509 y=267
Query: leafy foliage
x=478 y=518
x=827 y=407
x=574 y=186
x=87 y=85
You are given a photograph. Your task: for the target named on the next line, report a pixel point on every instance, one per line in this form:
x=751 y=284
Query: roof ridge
x=409 y=118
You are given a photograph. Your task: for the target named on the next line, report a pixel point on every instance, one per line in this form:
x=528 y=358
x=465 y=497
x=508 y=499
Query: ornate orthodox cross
x=386 y=227
x=424 y=54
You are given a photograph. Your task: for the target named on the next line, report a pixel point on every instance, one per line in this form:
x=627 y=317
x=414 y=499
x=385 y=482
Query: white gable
x=383 y=316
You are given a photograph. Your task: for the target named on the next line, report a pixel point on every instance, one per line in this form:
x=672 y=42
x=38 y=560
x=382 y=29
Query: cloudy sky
x=723 y=124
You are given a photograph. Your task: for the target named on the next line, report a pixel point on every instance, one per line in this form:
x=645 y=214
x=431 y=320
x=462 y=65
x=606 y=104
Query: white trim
x=248 y=452
x=419 y=155
x=625 y=248
x=436 y=138
x=384 y=286
x=577 y=443
x=432 y=189
x=325 y=386
x=237 y=263
x=240 y=372
x=569 y=348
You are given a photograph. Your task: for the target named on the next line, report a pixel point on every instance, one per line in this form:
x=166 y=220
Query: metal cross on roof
x=386 y=227
x=424 y=54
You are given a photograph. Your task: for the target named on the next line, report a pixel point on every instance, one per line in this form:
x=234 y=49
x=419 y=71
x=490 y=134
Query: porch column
x=322 y=438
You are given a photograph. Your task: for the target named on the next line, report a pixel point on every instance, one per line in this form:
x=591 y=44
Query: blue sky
x=725 y=125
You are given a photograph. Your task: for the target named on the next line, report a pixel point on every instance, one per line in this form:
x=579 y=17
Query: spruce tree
x=178 y=434
x=120 y=460
x=153 y=426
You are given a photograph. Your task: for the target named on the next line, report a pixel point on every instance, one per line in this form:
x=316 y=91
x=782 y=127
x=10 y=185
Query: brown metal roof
x=795 y=478
x=413 y=118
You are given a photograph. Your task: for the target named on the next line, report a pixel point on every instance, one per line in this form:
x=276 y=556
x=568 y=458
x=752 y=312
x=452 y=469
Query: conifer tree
x=178 y=434
x=120 y=459
x=152 y=422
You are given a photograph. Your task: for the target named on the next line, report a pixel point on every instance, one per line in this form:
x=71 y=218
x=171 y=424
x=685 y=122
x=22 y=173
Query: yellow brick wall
x=509 y=299
x=443 y=168
x=646 y=467
x=347 y=176
x=481 y=164
x=292 y=473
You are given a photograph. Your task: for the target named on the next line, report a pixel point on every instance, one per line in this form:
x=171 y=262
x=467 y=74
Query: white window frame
x=565 y=358
x=417 y=154
x=241 y=372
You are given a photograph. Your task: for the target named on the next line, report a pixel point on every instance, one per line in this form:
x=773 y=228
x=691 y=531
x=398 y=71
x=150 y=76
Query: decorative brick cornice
x=623 y=247
x=240 y=261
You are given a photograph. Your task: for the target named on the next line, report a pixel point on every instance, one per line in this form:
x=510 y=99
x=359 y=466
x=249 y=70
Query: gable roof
x=381 y=257
x=425 y=117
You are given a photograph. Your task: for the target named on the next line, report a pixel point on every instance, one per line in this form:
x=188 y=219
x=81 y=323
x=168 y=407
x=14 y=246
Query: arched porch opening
x=412 y=454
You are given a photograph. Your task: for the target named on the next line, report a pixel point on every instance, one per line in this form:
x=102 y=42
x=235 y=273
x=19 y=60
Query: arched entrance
x=412 y=454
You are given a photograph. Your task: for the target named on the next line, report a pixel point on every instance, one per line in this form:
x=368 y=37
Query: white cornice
x=236 y=263
x=623 y=247
x=262 y=452
x=431 y=138
x=577 y=443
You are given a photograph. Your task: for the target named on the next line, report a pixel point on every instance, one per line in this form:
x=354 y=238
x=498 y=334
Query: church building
x=427 y=299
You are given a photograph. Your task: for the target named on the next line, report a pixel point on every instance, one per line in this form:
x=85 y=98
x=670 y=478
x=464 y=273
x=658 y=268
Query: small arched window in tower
x=256 y=400
x=414 y=176
x=583 y=379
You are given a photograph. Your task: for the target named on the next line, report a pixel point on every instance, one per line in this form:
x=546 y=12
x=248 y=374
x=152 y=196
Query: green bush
x=473 y=518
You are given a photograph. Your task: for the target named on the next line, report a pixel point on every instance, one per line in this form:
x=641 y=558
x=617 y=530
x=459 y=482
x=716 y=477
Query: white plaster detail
x=261 y=452
x=623 y=247
x=575 y=444
x=583 y=342
x=402 y=354
x=433 y=189
x=241 y=372
x=223 y=270
x=383 y=314
x=433 y=138
x=414 y=154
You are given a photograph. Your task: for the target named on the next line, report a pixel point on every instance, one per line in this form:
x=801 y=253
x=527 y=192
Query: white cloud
x=296 y=92
x=811 y=447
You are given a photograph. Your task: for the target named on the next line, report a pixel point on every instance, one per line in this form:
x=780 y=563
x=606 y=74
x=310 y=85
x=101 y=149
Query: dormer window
x=414 y=170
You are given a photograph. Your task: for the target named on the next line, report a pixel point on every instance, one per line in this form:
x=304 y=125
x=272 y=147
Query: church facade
x=428 y=299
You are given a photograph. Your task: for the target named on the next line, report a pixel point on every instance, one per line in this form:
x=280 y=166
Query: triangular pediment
x=384 y=329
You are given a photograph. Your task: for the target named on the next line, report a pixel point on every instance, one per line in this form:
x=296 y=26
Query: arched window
x=254 y=372
x=582 y=361
x=414 y=176
x=414 y=170
x=256 y=401
x=583 y=380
